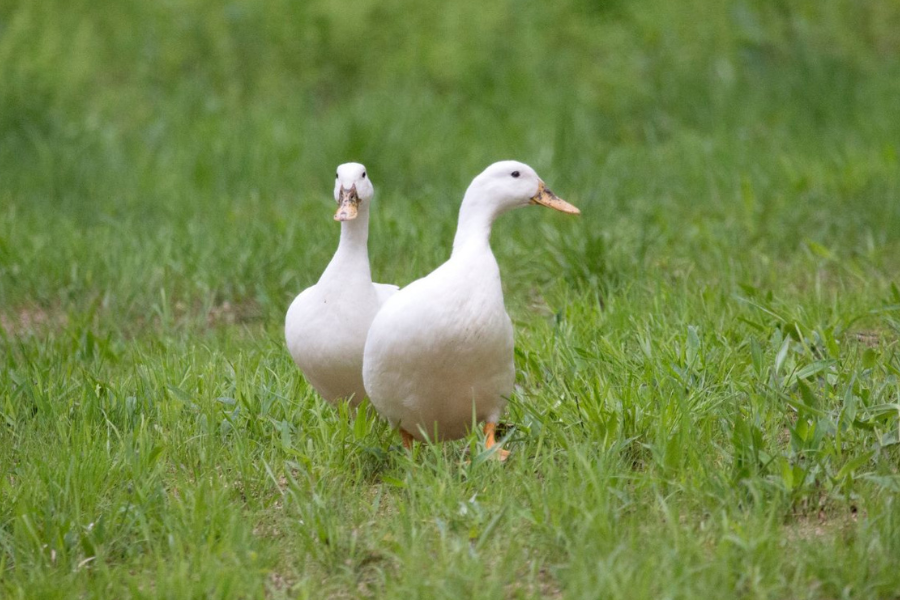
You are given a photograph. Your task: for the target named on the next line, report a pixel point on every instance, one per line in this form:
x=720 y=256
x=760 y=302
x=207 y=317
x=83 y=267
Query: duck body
x=439 y=354
x=326 y=325
x=325 y=329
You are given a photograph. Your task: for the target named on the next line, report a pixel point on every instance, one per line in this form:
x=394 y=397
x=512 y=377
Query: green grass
x=709 y=368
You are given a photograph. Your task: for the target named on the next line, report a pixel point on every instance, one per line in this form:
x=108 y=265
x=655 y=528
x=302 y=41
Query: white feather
x=439 y=354
x=326 y=325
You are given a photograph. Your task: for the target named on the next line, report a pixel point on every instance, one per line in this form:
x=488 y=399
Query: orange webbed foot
x=490 y=441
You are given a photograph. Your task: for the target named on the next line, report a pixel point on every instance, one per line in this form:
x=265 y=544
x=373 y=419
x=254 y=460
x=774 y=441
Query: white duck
x=327 y=323
x=440 y=351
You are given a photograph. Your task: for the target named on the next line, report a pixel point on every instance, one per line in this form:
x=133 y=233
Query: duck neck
x=352 y=255
x=473 y=231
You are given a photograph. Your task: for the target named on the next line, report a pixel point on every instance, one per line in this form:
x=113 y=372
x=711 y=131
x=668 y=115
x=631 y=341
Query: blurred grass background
x=707 y=356
x=189 y=145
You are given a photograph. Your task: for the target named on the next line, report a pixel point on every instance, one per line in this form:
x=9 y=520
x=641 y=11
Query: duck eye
x=336 y=175
x=515 y=173
x=364 y=174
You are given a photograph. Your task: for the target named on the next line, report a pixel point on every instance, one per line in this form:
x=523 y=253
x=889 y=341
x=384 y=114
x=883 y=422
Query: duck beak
x=545 y=197
x=348 y=204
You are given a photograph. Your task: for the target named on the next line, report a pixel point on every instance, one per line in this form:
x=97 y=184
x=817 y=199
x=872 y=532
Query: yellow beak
x=545 y=197
x=348 y=204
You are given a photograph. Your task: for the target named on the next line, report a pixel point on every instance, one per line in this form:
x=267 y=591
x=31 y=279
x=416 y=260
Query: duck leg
x=407 y=439
x=490 y=442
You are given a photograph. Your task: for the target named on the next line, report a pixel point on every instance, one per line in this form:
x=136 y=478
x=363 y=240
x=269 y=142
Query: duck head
x=352 y=187
x=509 y=184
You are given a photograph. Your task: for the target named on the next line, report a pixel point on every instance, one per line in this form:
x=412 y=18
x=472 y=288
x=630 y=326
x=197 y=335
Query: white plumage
x=440 y=352
x=326 y=325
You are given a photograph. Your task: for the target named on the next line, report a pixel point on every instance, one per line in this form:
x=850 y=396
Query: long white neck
x=473 y=231
x=352 y=256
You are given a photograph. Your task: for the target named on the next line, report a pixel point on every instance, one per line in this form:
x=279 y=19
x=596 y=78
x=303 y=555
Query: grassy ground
x=709 y=369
